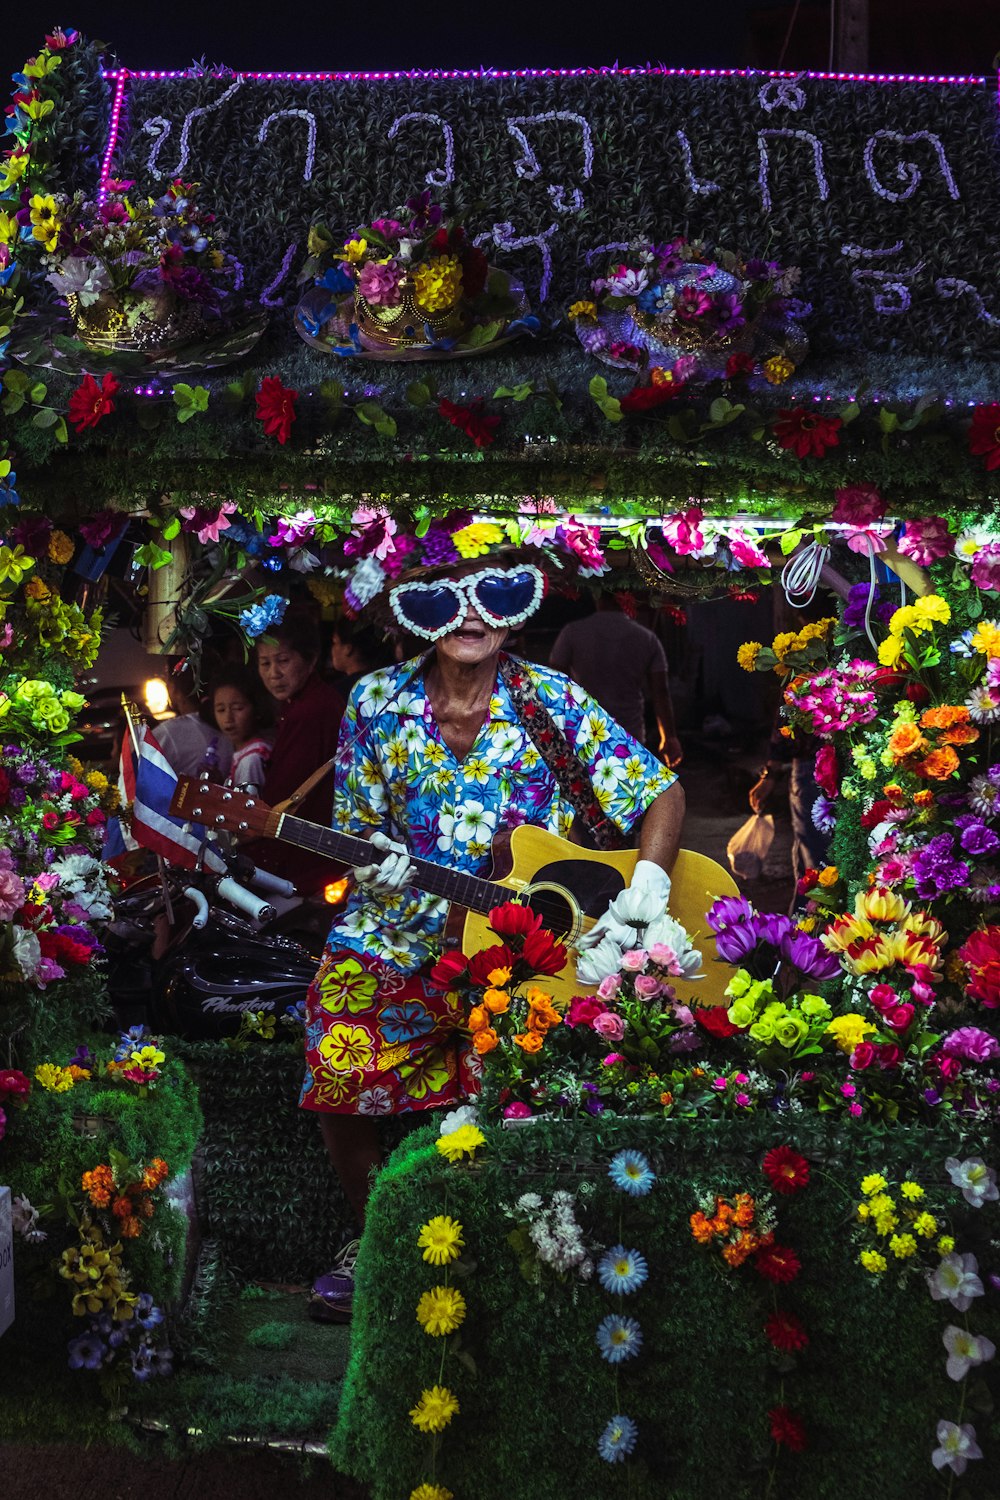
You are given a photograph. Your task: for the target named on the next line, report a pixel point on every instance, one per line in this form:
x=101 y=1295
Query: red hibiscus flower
x=714 y=1020
x=514 y=920
x=981 y=954
x=786 y=1332
x=482 y=964
x=276 y=407
x=645 y=397
x=543 y=953
x=449 y=968
x=806 y=432
x=470 y=420
x=785 y=1169
x=787 y=1429
x=90 y=401
x=14 y=1084
x=827 y=771
x=777 y=1263
x=984 y=434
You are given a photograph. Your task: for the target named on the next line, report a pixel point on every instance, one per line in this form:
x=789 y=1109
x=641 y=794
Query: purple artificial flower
x=773 y=927
x=728 y=911
x=437 y=550
x=688 y=1039
x=727 y=312
x=163 y=1361
x=936 y=870
x=736 y=943
x=142 y=1362
x=82 y=1058
x=976 y=838
x=971 y=1044
x=809 y=956
x=824 y=815
x=86 y=1352
x=147 y=1315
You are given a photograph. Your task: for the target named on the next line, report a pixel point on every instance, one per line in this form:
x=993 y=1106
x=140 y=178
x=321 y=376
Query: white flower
x=24 y=1218
x=637 y=906
x=473 y=821
x=956 y=1445
x=528 y=1202
x=366 y=581
x=595 y=964
x=956 y=1281
x=977 y=1181
x=465 y=1114
x=965 y=1349
x=27 y=952
x=670 y=932
x=968 y=545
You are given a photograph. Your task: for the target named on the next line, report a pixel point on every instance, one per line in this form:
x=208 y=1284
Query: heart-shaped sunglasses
x=499 y=596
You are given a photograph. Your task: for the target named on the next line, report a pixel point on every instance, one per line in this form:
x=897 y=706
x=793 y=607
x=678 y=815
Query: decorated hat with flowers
x=382 y=552
x=413 y=286
x=687 y=311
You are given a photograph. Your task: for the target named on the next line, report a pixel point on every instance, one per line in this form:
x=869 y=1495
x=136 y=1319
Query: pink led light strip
x=116 y=113
x=430 y=74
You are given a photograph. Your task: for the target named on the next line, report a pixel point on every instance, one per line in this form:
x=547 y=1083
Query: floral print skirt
x=379 y=1042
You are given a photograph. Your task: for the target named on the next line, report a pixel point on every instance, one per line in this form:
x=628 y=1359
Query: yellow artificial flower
x=441 y=1310
x=435 y=1409
x=96 y=780
x=932 y=609
x=828 y=876
x=465 y=1141
x=440 y=1239
x=904 y=618
x=476 y=538
x=881 y=1203
x=13 y=169
x=911 y=1190
x=41 y=66
x=586 y=310
x=873 y=1262
x=53 y=1078
x=925 y=1225
x=147 y=1058
x=864 y=1211
x=437 y=282
x=354 y=251
x=986 y=638
x=903 y=1246
x=945 y=1245
x=891 y=650
x=881 y=905
x=777 y=369
x=38 y=591
x=14 y=563
x=873 y=1183
x=10 y=229
x=431 y=1492
x=747 y=655
x=885 y=1223
x=61 y=548
x=44 y=213
x=847 y=1031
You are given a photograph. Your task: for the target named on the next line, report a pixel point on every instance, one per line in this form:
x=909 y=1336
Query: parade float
x=273 y=334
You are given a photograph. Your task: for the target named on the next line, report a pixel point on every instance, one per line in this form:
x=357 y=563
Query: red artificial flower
x=777 y=1263
x=917 y=693
x=512 y=919
x=4 y=786
x=584 y=1010
x=471 y=421
x=807 y=433
x=62 y=948
x=981 y=954
x=90 y=401
x=984 y=434
x=739 y=364
x=876 y=814
x=475 y=270
x=543 y=953
x=482 y=964
x=827 y=771
x=785 y=1169
x=14 y=1084
x=645 y=397
x=276 y=407
x=786 y=1332
x=787 y=1429
x=449 y=968
x=714 y=1020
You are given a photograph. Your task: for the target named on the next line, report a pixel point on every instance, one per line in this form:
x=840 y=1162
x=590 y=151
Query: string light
x=431 y=74
x=121 y=78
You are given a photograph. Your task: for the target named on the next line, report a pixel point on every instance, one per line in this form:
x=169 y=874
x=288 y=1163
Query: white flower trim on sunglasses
x=464 y=594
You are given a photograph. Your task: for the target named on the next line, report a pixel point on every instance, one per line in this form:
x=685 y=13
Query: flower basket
x=106 y=328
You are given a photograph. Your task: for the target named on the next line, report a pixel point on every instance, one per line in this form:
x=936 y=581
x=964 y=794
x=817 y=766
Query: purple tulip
x=809 y=956
x=729 y=910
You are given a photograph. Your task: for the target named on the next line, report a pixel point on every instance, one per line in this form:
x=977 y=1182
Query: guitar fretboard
x=469 y=891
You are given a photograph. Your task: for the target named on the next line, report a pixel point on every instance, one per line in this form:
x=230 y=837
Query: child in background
x=239 y=709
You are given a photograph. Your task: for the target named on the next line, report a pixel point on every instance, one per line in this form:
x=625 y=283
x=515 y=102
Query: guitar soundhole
x=567 y=890
x=555 y=910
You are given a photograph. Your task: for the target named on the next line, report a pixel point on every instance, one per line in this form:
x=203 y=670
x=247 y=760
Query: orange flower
x=484 y=1041
x=157 y=1168
x=145 y=1207
x=130 y=1229
x=666 y=1099
x=923 y=798
x=744 y=1210
x=498 y=977
x=906 y=740
x=77 y=1073
x=697 y=1072
x=479 y=1017
x=496 y=1001
x=962 y=734
x=829 y=875
x=701 y=1228
x=122 y=1208
x=939 y=765
x=541 y=1014
x=529 y=1041
x=944 y=716
x=893 y=791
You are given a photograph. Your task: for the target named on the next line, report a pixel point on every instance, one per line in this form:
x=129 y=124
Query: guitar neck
x=465 y=890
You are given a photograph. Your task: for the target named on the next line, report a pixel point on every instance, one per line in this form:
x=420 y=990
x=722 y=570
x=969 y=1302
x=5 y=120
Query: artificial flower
x=984 y=434
x=465 y=1141
x=617 y=1440
x=630 y=1171
x=807 y=433
x=618 y=1338
x=431 y=1492
x=276 y=407
x=777 y=1263
x=435 y=1409
x=622 y=1271
x=977 y=1181
x=956 y=1280
x=965 y=1351
x=785 y=1169
x=441 y=1310
x=956 y=1444
x=787 y=1429
x=90 y=401
x=441 y=1240
x=786 y=1332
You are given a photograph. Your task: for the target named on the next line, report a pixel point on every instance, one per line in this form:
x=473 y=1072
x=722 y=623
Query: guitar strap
x=302 y=791
x=572 y=776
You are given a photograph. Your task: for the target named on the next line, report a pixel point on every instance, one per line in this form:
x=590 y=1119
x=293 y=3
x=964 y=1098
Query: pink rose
x=584 y=1010
x=609 y=1025
x=664 y=956
x=888 y=1055
x=863 y=1055
x=517 y=1111
x=883 y=997
x=611 y=1059
x=858 y=505
x=899 y=1017
x=647 y=987
x=609 y=986
x=634 y=960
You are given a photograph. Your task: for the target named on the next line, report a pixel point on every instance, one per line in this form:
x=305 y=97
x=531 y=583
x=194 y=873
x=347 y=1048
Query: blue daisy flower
x=622 y=1271
x=617 y=1440
x=631 y=1172
x=618 y=1338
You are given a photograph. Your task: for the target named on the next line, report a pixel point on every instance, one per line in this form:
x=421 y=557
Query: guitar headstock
x=221 y=807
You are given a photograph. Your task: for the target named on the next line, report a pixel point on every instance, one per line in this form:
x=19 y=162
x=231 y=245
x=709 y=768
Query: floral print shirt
x=396 y=774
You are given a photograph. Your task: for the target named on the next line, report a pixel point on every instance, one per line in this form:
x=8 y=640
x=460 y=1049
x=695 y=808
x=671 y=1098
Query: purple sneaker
x=332 y=1295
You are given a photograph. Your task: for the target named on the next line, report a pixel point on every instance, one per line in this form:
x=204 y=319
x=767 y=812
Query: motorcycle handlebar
x=245 y=901
x=198 y=900
x=273 y=884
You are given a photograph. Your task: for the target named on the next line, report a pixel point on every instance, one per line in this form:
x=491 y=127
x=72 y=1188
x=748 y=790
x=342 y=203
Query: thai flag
x=148 y=781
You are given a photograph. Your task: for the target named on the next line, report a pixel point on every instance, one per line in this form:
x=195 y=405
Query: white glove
x=392 y=875
x=645 y=899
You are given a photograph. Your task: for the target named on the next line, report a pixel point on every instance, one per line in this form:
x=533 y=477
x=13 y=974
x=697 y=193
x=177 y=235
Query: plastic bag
x=749 y=846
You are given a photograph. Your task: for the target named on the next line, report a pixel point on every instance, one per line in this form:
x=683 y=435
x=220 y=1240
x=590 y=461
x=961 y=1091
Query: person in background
x=355 y=650
x=795 y=756
x=241 y=713
x=309 y=715
x=621 y=664
x=192 y=745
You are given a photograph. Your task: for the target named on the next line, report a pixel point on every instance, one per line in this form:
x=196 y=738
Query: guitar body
x=571 y=887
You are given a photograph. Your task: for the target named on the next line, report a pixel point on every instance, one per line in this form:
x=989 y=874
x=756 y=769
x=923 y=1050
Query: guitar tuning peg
x=244 y=826
x=196 y=812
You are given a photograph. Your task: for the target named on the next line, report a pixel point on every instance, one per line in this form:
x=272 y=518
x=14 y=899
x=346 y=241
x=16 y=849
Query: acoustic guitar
x=567 y=885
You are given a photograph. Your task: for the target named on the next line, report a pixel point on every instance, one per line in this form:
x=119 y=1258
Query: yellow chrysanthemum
x=945 y=1245
x=440 y=1239
x=925 y=1225
x=904 y=618
x=890 y=650
x=57 y=1080
x=932 y=609
x=435 y=1409
x=847 y=1031
x=61 y=548
x=903 y=1246
x=97 y=781
x=747 y=655
x=864 y=1212
x=777 y=369
x=38 y=591
x=431 y=1492
x=986 y=638
x=881 y=1202
x=586 y=310
x=465 y=1141
x=476 y=538
x=441 y=1310
x=911 y=1190
x=437 y=282
x=873 y=1262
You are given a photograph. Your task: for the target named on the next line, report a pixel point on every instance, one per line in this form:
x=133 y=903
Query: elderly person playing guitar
x=437 y=756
